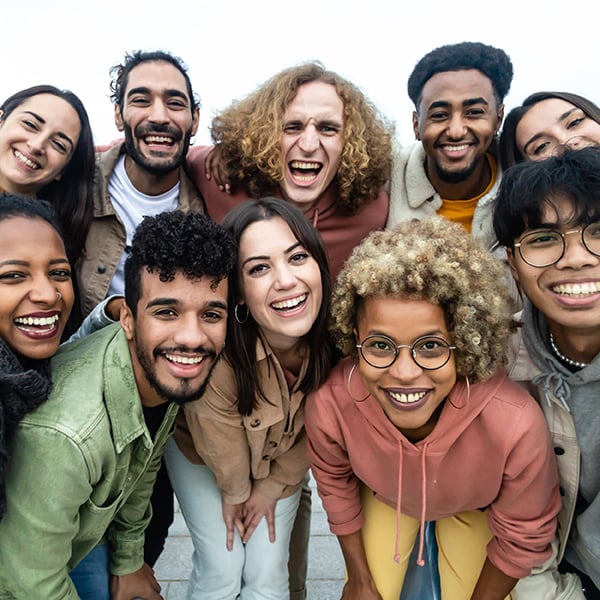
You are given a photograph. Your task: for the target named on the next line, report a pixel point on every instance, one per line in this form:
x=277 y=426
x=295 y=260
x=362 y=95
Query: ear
x=1 y=115
x=195 y=120
x=127 y=321
x=415 y=124
x=118 y=118
x=500 y=115
x=510 y=255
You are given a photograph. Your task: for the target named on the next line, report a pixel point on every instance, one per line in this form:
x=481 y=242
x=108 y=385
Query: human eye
x=139 y=100
x=213 y=316
x=542 y=149
x=60 y=274
x=379 y=346
x=60 y=146
x=165 y=313
x=438 y=115
x=576 y=119
x=329 y=128
x=431 y=346
x=299 y=257
x=292 y=127
x=12 y=277
x=542 y=238
x=29 y=124
x=177 y=104
x=257 y=269
x=475 y=111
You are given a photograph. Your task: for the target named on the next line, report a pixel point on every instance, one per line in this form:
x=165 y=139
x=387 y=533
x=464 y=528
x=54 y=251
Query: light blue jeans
x=91 y=577
x=255 y=571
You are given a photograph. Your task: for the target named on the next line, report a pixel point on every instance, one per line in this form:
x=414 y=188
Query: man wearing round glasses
x=548 y=217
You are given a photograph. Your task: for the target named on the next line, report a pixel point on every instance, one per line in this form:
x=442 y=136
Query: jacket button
x=273 y=444
x=559 y=451
x=266 y=457
x=101 y=269
x=255 y=423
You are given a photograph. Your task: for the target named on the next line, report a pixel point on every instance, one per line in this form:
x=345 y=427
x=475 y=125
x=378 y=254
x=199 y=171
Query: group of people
x=415 y=323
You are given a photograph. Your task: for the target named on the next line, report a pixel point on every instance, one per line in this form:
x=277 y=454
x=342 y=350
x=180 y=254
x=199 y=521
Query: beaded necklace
x=569 y=361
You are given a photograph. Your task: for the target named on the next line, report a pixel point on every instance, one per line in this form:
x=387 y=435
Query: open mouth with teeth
x=305 y=172
x=26 y=161
x=290 y=304
x=577 y=290
x=184 y=360
x=410 y=398
x=38 y=325
x=159 y=140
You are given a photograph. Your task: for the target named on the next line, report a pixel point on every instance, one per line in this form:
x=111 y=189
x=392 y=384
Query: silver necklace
x=569 y=361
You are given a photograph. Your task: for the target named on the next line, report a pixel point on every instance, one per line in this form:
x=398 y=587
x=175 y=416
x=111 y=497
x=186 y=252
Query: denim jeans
x=91 y=577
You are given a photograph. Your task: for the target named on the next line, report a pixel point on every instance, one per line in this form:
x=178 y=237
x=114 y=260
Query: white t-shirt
x=132 y=206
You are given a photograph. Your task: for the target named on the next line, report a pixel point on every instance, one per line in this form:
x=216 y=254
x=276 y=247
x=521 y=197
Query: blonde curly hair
x=249 y=136
x=438 y=261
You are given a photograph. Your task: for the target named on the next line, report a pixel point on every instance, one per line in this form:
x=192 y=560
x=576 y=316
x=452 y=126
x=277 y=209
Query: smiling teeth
x=185 y=360
x=456 y=148
x=25 y=160
x=407 y=398
x=313 y=166
x=37 y=321
x=291 y=303
x=158 y=139
x=577 y=289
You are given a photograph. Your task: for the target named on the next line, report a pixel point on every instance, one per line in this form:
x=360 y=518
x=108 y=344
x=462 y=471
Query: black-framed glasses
x=429 y=352
x=545 y=247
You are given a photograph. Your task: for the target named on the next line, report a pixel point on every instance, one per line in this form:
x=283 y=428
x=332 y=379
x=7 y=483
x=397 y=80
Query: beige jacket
x=105 y=242
x=265 y=449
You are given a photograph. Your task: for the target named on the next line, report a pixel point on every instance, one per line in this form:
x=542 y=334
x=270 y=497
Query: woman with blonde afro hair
x=419 y=422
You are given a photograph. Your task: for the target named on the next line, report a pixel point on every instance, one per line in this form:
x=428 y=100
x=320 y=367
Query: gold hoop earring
x=468 y=396
x=237 y=316
x=349 y=385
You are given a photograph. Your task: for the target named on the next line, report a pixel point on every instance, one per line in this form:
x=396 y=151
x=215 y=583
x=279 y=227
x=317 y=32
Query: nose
x=36 y=143
x=159 y=112
x=190 y=333
x=456 y=127
x=43 y=291
x=576 y=255
x=404 y=367
x=285 y=277
x=309 y=139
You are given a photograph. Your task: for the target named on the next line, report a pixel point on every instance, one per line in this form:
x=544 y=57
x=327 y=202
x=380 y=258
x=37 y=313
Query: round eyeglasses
x=545 y=247
x=429 y=352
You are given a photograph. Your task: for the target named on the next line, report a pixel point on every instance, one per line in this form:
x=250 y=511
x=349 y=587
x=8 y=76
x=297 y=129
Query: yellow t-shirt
x=461 y=211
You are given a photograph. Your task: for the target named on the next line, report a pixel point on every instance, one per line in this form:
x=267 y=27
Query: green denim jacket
x=82 y=472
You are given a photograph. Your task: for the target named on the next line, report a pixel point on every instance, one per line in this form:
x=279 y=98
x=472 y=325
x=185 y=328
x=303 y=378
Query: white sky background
x=232 y=46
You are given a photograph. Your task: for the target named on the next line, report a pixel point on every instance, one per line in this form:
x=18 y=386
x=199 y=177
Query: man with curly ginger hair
x=311 y=137
x=452 y=169
x=85 y=461
x=420 y=422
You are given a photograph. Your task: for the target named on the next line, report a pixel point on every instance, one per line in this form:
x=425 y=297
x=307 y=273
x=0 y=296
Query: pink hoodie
x=489 y=450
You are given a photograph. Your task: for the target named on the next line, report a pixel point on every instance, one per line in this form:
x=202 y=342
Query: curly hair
x=510 y=153
x=494 y=63
x=120 y=74
x=175 y=241
x=438 y=261
x=249 y=134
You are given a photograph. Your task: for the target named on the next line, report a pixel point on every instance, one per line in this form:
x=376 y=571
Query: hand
x=233 y=515
x=113 y=308
x=214 y=167
x=360 y=591
x=140 y=584
x=255 y=508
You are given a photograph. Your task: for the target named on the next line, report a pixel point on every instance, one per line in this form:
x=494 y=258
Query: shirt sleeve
x=523 y=518
x=337 y=485
x=46 y=486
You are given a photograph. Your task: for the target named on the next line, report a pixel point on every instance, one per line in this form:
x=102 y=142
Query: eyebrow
x=265 y=257
x=26 y=263
x=60 y=134
x=465 y=103
x=171 y=92
x=175 y=302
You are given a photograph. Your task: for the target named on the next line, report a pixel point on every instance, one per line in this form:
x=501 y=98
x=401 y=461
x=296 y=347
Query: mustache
x=166 y=129
x=201 y=350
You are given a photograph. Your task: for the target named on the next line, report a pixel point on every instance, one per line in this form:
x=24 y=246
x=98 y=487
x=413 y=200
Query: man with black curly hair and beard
x=84 y=462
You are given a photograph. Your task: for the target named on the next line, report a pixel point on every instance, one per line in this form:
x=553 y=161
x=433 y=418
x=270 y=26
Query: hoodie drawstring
x=398 y=507
x=560 y=388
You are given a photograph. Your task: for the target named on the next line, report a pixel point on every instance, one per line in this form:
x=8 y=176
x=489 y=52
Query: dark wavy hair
x=494 y=63
x=249 y=135
x=120 y=74
x=242 y=338
x=175 y=241
x=529 y=187
x=508 y=150
x=71 y=195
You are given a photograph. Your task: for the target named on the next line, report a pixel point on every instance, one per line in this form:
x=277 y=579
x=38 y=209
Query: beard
x=455 y=176
x=186 y=391
x=156 y=165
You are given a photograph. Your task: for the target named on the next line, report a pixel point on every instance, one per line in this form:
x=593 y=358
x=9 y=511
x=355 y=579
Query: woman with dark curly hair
x=547 y=122
x=421 y=422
